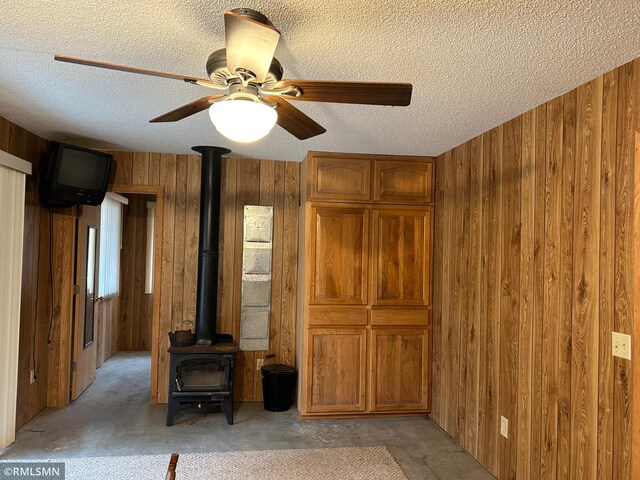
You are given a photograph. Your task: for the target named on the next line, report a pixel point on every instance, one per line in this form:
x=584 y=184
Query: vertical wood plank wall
x=135 y=306
x=533 y=271
x=245 y=182
x=40 y=338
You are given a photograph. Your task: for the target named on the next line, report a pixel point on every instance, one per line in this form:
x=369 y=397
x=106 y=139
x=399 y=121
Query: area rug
x=367 y=463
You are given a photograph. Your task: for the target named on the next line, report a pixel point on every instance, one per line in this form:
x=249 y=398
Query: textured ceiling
x=473 y=63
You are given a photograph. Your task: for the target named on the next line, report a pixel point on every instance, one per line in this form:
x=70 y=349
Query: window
x=110 y=245
x=151 y=236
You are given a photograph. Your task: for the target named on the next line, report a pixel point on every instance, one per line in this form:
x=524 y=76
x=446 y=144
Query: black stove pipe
x=207 y=287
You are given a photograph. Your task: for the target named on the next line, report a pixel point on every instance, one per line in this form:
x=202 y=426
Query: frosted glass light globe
x=243 y=121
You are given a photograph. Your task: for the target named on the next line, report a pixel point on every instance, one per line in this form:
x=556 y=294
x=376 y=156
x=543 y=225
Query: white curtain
x=110 y=244
x=12 y=187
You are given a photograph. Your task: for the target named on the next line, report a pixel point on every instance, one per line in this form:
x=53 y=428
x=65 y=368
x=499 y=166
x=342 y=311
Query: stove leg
x=172 y=410
x=227 y=408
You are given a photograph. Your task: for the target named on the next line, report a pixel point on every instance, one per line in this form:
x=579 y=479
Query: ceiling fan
x=250 y=93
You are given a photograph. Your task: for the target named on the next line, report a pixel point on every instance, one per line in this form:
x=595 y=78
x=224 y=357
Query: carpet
x=363 y=463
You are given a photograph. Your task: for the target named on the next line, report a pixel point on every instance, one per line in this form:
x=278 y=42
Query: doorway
x=117 y=304
x=139 y=303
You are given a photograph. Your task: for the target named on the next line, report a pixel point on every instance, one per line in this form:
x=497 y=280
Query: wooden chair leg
x=171 y=471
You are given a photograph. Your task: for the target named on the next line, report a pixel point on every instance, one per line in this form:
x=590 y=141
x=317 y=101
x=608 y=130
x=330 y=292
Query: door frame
x=158 y=191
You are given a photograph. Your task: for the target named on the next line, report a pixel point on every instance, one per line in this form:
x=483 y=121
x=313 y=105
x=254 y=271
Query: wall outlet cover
x=32 y=378
x=504 y=427
x=259 y=363
x=621 y=345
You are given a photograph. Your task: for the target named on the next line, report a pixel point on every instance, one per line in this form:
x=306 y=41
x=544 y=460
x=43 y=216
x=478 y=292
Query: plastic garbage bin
x=278 y=386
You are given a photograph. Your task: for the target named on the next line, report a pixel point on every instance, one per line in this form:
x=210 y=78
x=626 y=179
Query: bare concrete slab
x=113 y=417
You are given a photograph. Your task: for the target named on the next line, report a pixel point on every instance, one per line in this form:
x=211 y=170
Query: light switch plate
x=32 y=377
x=504 y=427
x=621 y=345
x=259 y=363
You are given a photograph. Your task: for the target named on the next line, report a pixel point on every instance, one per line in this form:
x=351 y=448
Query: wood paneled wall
x=534 y=269
x=245 y=182
x=135 y=306
x=40 y=338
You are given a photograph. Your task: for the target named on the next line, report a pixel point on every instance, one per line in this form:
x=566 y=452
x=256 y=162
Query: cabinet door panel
x=402 y=257
x=399 y=369
x=340 y=179
x=336 y=368
x=403 y=182
x=339 y=255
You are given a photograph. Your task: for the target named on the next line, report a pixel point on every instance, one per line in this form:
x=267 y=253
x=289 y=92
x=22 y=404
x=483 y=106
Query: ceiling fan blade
x=295 y=121
x=369 y=93
x=187 y=110
x=250 y=44
x=142 y=71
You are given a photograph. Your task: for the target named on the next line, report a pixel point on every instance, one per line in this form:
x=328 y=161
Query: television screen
x=74 y=175
x=82 y=169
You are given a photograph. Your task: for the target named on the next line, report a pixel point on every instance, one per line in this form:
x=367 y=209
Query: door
x=343 y=179
x=83 y=363
x=339 y=255
x=401 y=254
x=337 y=369
x=399 y=369
x=403 y=182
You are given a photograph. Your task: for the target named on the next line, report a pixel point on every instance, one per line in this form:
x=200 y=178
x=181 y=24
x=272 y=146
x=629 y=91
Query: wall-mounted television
x=73 y=175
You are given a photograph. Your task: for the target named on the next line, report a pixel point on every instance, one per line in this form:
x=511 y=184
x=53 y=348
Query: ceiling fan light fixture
x=243 y=120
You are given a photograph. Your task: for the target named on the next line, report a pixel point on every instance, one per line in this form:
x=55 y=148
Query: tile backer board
x=256 y=277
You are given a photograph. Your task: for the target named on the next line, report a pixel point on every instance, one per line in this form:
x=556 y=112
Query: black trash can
x=278 y=386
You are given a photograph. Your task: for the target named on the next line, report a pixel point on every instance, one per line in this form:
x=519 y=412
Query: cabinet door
x=402 y=257
x=338 y=255
x=399 y=369
x=340 y=178
x=403 y=181
x=336 y=370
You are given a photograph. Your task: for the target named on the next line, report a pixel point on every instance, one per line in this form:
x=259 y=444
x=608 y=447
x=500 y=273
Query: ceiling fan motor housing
x=219 y=73
x=253 y=15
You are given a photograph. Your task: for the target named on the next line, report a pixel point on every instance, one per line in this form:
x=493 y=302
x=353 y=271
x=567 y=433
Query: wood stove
x=201 y=375
x=202 y=379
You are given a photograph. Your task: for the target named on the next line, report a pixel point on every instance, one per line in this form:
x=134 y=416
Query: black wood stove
x=201 y=375
x=202 y=379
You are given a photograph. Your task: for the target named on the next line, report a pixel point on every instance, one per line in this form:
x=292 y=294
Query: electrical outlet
x=504 y=427
x=621 y=345
x=259 y=363
x=33 y=376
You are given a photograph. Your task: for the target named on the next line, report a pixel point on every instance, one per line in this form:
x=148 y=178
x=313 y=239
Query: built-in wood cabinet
x=348 y=180
x=399 y=374
x=401 y=256
x=397 y=181
x=336 y=367
x=365 y=300
x=339 y=246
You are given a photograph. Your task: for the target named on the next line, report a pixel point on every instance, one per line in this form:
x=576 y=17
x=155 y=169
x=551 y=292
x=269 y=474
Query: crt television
x=73 y=175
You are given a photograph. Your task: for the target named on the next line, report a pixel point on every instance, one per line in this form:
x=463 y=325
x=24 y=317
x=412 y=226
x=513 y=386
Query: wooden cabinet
x=338 y=257
x=401 y=256
x=403 y=182
x=358 y=178
x=365 y=302
x=346 y=180
x=336 y=365
x=399 y=369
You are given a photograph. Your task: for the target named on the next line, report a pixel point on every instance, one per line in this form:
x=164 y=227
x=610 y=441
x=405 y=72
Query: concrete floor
x=113 y=417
